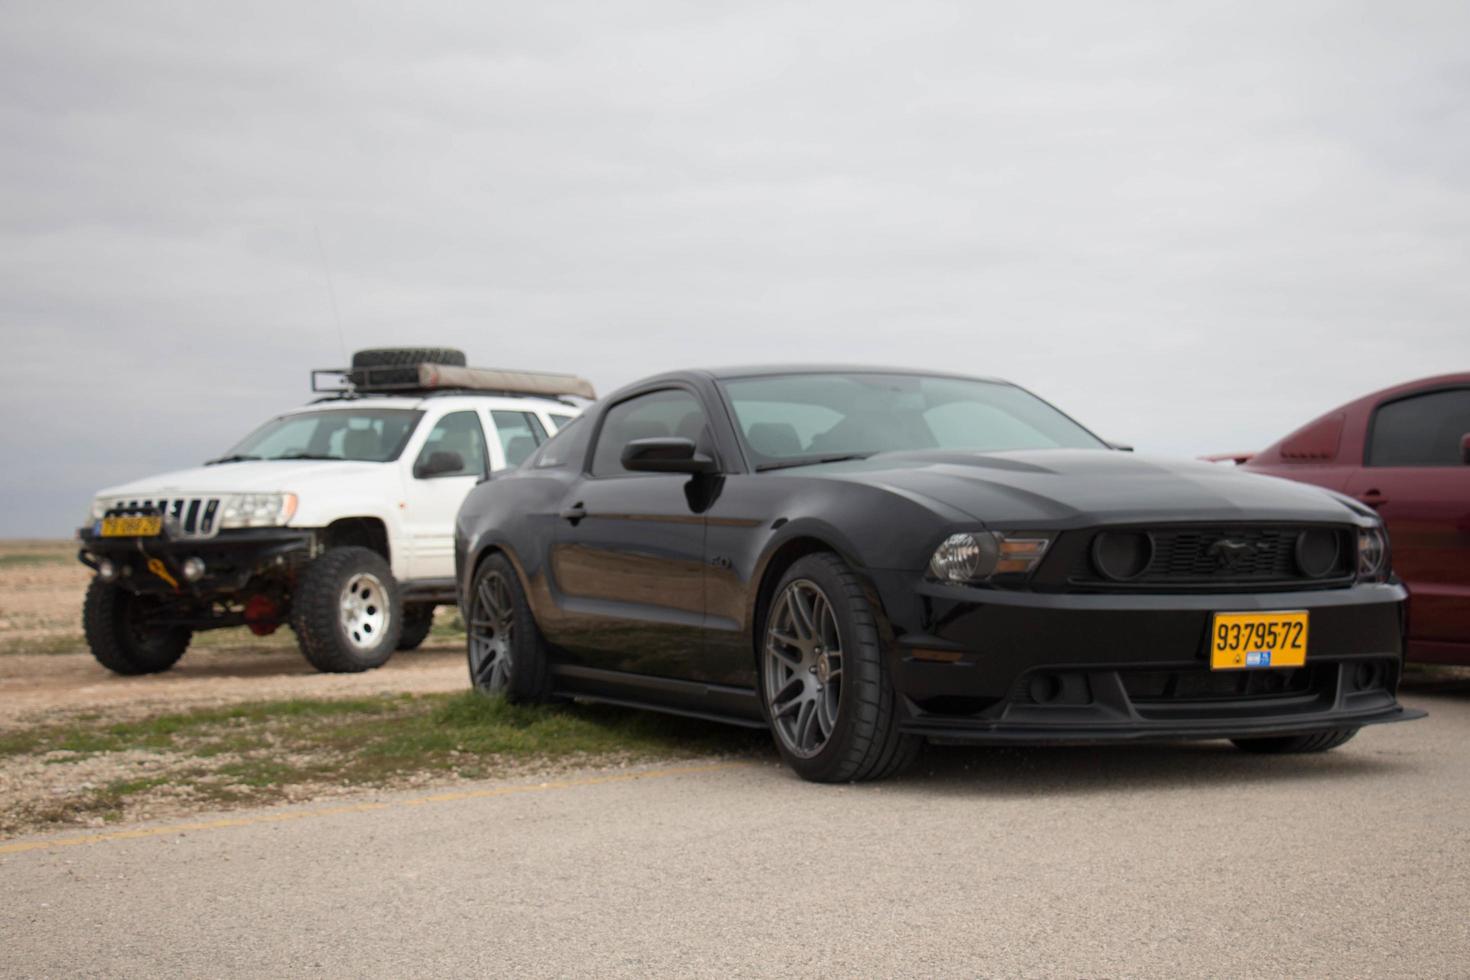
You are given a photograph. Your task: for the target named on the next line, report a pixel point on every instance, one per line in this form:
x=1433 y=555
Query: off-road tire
x=118 y=644
x=865 y=743
x=418 y=620
x=316 y=612
x=1295 y=744
x=530 y=677
x=408 y=357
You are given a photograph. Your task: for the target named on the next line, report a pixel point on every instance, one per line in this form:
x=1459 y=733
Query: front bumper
x=231 y=558
x=982 y=665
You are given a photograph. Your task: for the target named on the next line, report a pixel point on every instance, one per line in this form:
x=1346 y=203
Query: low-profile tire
x=418 y=620
x=346 y=611
x=115 y=622
x=824 y=681
x=505 y=650
x=1294 y=744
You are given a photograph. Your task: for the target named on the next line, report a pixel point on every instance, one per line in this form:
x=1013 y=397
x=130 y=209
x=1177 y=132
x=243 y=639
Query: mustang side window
x=567 y=448
x=1421 y=430
x=520 y=433
x=672 y=412
x=457 y=434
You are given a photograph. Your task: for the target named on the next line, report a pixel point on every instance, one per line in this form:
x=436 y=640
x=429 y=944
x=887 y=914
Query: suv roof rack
x=444 y=379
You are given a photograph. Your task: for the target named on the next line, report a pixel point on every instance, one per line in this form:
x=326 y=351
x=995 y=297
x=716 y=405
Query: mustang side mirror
x=1465 y=449
x=665 y=455
x=439 y=464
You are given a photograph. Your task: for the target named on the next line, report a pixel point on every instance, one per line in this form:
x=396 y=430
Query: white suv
x=336 y=518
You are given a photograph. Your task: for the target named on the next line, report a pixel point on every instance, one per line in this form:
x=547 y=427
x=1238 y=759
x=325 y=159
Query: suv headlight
x=257 y=509
x=1372 y=555
x=977 y=556
x=100 y=506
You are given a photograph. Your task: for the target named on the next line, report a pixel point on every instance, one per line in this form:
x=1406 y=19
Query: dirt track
x=34 y=687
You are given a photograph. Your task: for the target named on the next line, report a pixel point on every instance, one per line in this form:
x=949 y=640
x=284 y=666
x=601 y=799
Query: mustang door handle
x=574 y=513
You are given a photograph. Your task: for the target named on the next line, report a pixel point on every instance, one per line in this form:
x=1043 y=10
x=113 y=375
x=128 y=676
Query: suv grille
x=1208 y=557
x=184 y=517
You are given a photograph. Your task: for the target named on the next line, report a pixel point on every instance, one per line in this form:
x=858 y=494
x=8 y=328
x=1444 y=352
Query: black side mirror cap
x=439 y=464
x=665 y=455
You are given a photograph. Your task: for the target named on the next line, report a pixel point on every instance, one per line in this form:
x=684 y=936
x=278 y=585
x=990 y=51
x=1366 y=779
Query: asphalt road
x=1146 y=861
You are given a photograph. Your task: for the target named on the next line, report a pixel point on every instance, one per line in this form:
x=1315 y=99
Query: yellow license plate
x=132 y=527
x=1248 y=640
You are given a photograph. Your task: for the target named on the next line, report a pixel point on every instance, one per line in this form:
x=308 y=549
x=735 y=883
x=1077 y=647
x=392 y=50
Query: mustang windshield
x=365 y=435
x=793 y=419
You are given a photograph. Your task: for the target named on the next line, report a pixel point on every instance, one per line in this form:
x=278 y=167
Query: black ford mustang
x=865 y=558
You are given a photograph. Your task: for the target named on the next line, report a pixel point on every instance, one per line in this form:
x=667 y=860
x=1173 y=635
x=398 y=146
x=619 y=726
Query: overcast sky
x=1192 y=225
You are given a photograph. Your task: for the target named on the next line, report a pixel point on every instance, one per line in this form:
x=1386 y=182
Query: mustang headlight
x=976 y=556
x=257 y=509
x=1372 y=555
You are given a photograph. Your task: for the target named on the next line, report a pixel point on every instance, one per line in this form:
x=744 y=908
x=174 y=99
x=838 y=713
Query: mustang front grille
x=1200 y=557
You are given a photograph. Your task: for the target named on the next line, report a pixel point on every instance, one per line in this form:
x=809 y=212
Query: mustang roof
x=764 y=370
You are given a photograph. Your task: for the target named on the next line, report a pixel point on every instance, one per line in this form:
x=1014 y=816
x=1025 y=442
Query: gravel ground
x=1149 y=861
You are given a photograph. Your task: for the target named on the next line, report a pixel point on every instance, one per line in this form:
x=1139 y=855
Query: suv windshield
x=366 y=435
x=807 y=418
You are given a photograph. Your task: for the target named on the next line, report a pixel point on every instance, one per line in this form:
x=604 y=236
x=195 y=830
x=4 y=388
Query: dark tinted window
x=457 y=432
x=520 y=433
x=567 y=448
x=672 y=412
x=1424 y=430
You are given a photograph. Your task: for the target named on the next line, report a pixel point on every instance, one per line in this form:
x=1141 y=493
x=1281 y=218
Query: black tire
x=864 y=742
x=114 y=621
x=1294 y=744
x=497 y=601
x=323 y=632
x=409 y=358
x=418 y=620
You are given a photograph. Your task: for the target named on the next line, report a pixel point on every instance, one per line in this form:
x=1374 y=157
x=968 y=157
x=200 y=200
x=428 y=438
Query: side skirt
x=691 y=699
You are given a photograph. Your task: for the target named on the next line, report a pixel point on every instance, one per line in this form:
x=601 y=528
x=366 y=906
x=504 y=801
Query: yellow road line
x=286 y=816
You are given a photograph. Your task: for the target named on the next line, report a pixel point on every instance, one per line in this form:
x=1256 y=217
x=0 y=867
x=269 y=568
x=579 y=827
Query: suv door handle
x=574 y=513
x=1374 y=499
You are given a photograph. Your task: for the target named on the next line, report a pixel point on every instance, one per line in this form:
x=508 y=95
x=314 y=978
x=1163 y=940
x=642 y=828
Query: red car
x=1404 y=451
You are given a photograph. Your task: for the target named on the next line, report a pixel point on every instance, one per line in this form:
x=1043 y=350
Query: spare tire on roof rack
x=406 y=358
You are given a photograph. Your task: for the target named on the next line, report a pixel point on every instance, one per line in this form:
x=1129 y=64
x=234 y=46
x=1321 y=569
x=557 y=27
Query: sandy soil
x=41 y=588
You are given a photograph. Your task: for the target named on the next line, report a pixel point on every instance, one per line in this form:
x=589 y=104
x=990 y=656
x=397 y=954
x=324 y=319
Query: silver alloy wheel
x=364 y=610
x=803 y=675
x=492 y=634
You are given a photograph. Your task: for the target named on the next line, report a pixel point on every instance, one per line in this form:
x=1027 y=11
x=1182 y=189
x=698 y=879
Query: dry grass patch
x=92 y=771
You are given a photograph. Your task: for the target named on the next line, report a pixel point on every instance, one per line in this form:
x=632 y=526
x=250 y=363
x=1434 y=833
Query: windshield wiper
x=234 y=458
x=308 y=456
x=811 y=461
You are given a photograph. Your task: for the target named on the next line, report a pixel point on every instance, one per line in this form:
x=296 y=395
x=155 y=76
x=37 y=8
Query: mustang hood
x=1075 y=487
x=263 y=476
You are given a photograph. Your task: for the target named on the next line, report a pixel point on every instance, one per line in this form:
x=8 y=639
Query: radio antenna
x=331 y=291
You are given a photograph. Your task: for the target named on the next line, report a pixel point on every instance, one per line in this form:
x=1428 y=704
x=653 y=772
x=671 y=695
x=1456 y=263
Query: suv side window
x=457 y=432
x=671 y=412
x=519 y=432
x=1421 y=430
x=567 y=448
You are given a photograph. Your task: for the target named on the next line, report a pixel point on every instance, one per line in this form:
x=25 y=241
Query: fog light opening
x=106 y=570
x=192 y=569
x=1044 y=688
x=1366 y=676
